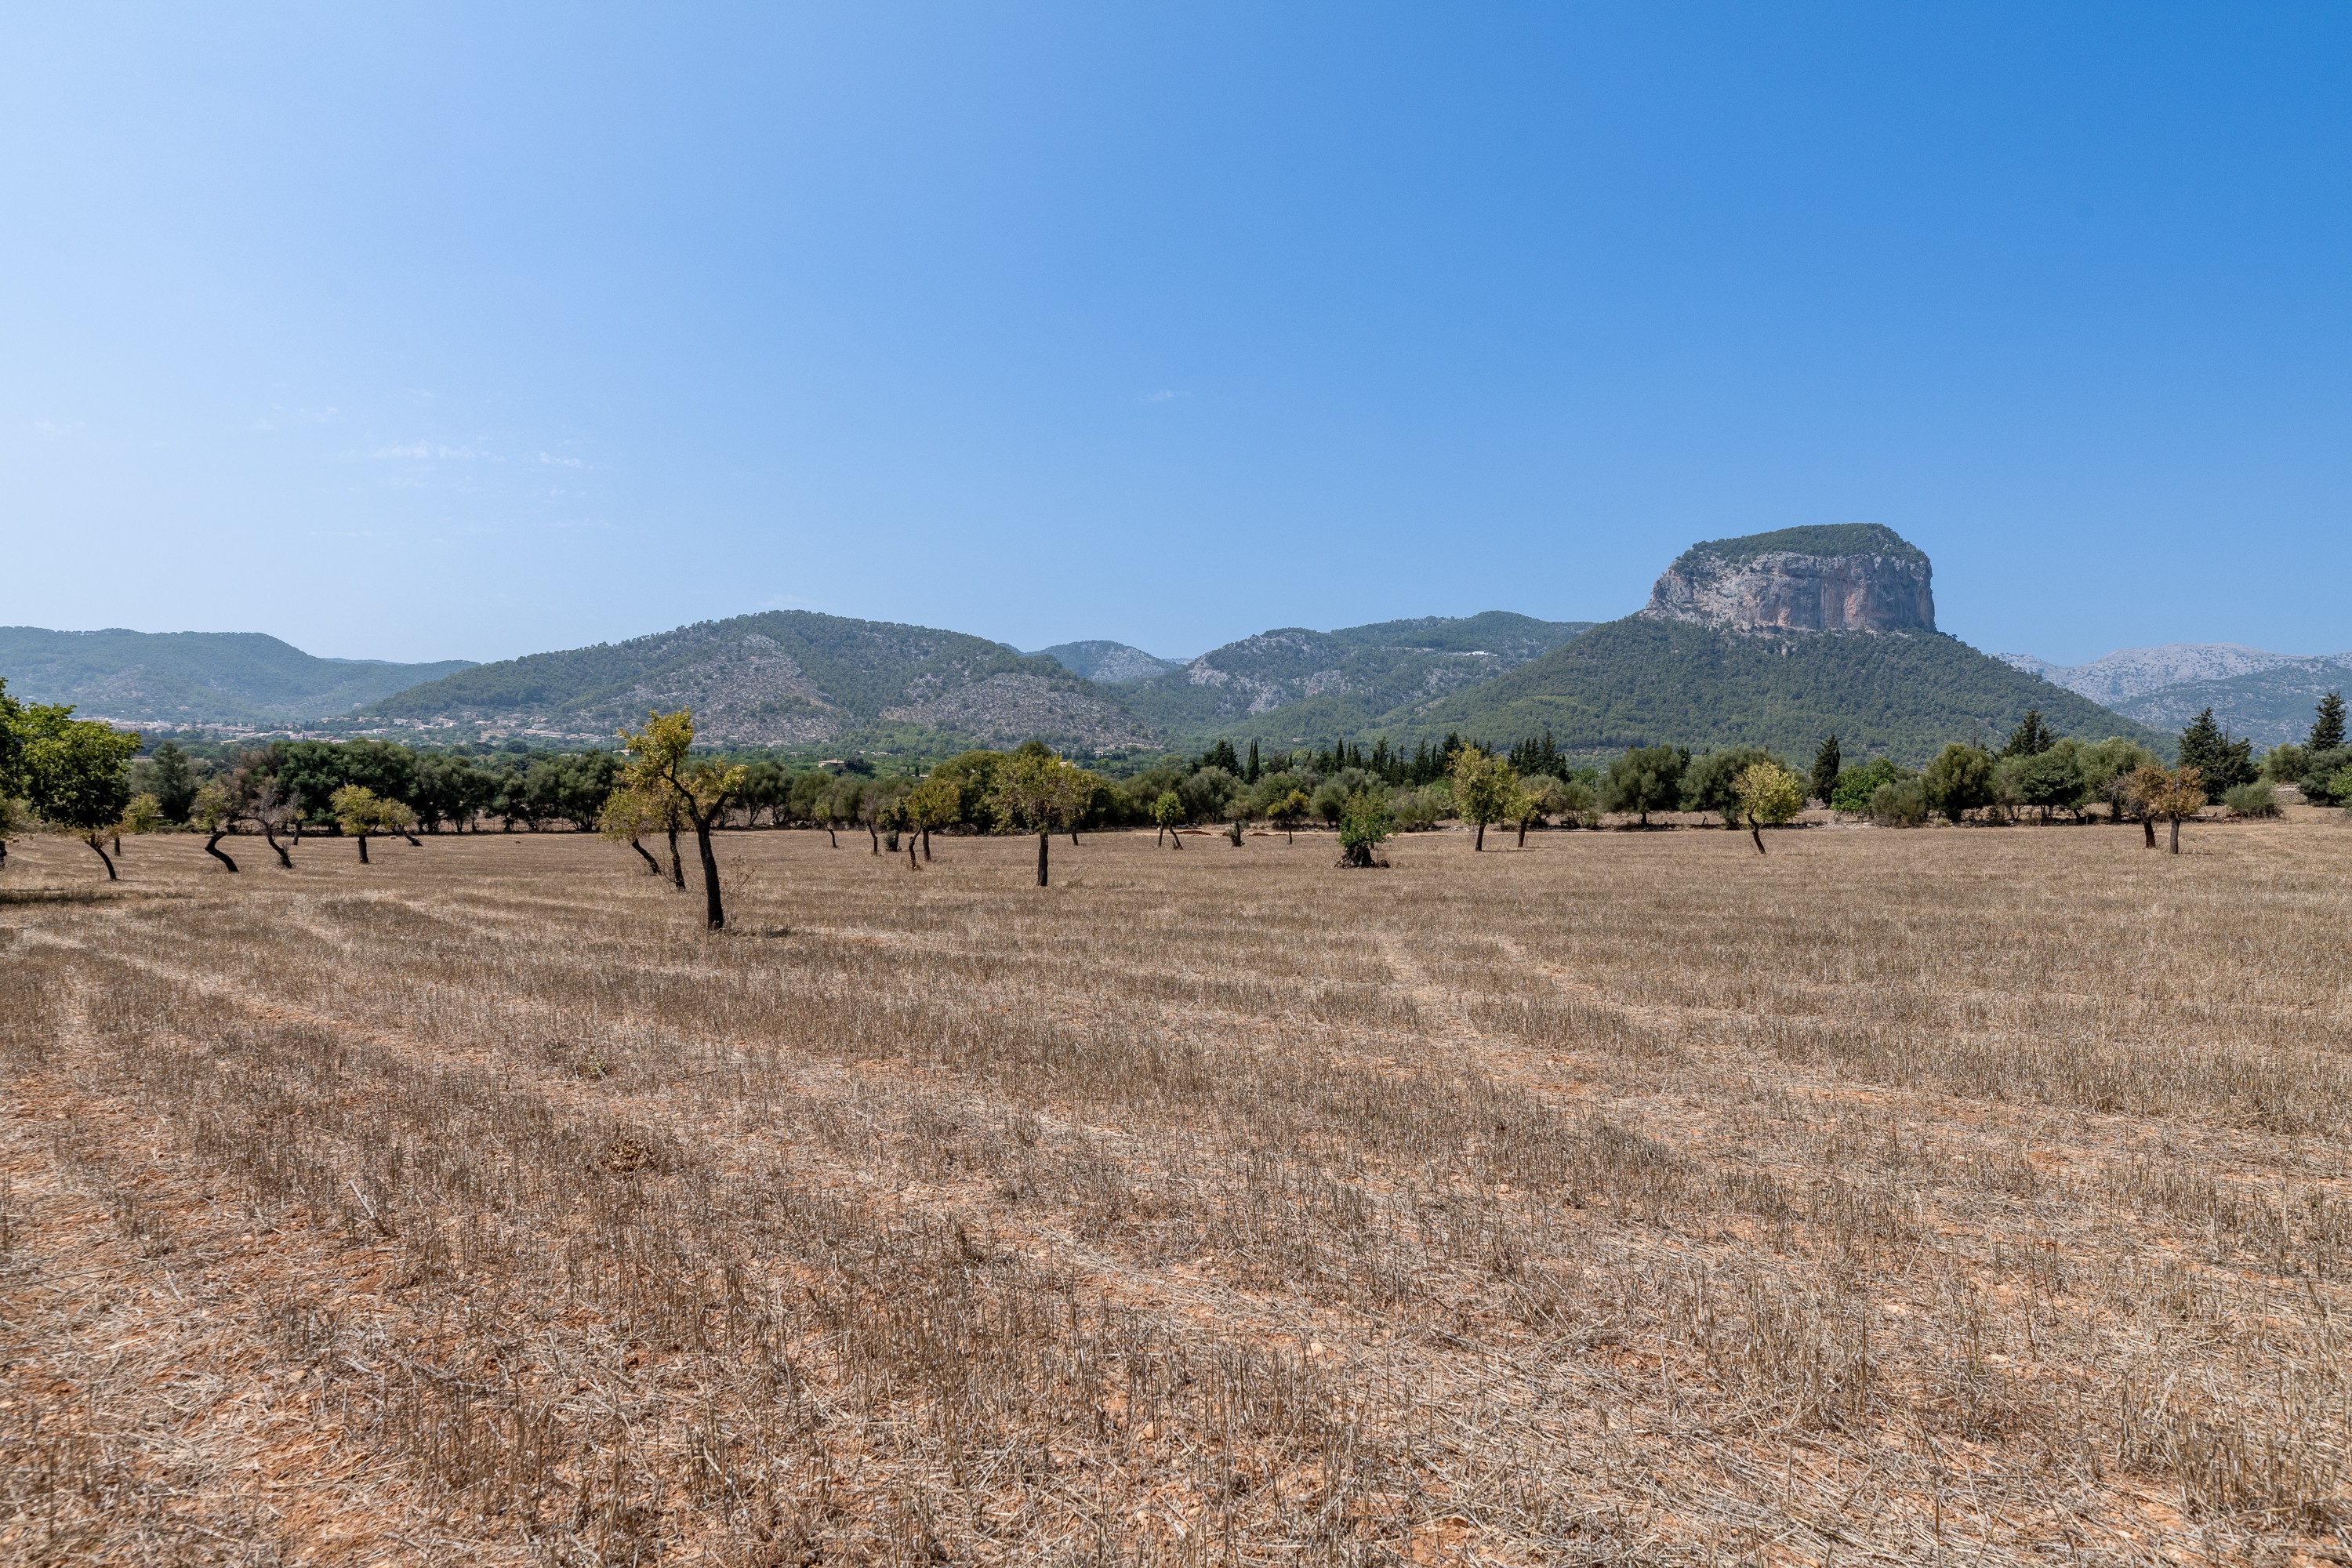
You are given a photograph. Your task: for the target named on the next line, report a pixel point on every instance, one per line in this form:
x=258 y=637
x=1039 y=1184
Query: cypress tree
x=2032 y=737
x=2328 y=723
x=1827 y=766
x=1251 y=775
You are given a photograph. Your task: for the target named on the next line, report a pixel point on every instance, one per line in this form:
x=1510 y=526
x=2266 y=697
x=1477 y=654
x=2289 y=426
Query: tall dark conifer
x=1251 y=774
x=2031 y=737
x=1827 y=766
x=2328 y=723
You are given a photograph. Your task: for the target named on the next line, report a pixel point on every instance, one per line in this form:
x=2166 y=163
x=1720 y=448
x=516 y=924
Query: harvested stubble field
x=1899 y=1197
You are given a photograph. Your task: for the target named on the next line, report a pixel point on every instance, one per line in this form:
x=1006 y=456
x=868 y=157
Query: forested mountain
x=786 y=677
x=196 y=677
x=1109 y=663
x=1295 y=685
x=1644 y=681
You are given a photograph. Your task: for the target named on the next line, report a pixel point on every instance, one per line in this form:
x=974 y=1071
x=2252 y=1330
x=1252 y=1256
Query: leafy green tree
x=77 y=774
x=1364 y=826
x=2031 y=738
x=1539 y=798
x=2222 y=761
x=1037 y=792
x=1207 y=793
x=1250 y=772
x=2339 y=783
x=215 y=810
x=1711 y=782
x=360 y=811
x=662 y=767
x=935 y=803
x=167 y=774
x=2106 y=767
x=2320 y=773
x=1768 y=795
x=143 y=815
x=628 y=814
x=1958 y=780
x=449 y=788
x=1827 y=766
x=2049 y=780
x=1644 y=780
x=2328 y=724
x=1286 y=811
x=1484 y=787
x=1856 y=786
x=2285 y=763
x=1167 y=811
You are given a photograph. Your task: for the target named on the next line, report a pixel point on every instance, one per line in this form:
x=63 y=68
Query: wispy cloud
x=425 y=451
x=1165 y=394
x=51 y=428
x=560 y=462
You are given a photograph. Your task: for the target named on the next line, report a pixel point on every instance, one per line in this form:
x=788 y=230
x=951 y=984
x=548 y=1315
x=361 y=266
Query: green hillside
x=196 y=677
x=1297 y=685
x=1642 y=680
x=786 y=677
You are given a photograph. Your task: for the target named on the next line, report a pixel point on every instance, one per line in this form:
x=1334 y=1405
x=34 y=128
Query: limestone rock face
x=1844 y=578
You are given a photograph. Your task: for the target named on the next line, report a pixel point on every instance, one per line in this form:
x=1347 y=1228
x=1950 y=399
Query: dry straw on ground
x=1956 y=1195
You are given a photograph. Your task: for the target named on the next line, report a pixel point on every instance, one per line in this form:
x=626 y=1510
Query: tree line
x=88 y=779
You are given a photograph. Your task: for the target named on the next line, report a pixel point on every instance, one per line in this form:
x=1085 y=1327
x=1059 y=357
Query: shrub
x=2252 y=800
x=1418 y=810
x=1902 y=804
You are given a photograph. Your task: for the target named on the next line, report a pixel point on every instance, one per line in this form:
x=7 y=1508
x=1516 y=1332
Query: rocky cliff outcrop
x=1850 y=577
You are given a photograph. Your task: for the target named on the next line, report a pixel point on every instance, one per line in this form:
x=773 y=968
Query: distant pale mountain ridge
x=2264 y=695
x=196 y=677
x=2130 y=672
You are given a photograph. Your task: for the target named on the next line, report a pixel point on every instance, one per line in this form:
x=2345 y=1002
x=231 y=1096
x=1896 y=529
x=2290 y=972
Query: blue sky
x=467 y=331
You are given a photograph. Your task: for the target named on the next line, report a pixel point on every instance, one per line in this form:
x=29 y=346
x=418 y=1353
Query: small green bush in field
x=2252 y=800
x=1903 y=803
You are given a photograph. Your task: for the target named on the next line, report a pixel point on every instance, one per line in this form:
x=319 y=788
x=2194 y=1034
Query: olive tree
x=1644 y=780
x=1958 y=780
x=2173 y=793
x=215 y=810
x=1364 y=826
x=1768 y=795
x=628 y=816
x=661 y=765
x=1037 y=792
x=1484 y=785
x=77 y=774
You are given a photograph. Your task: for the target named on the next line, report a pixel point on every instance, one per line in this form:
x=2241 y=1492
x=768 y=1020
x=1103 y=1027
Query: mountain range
x=2265 y=697
x=1772 y=639
x=196 y=678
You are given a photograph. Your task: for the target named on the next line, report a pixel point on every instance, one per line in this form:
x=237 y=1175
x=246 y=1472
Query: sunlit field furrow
x=1967 y=1195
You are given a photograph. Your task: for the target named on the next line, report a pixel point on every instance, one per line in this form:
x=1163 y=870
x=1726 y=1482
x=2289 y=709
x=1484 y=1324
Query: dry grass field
x=1950 y=1196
